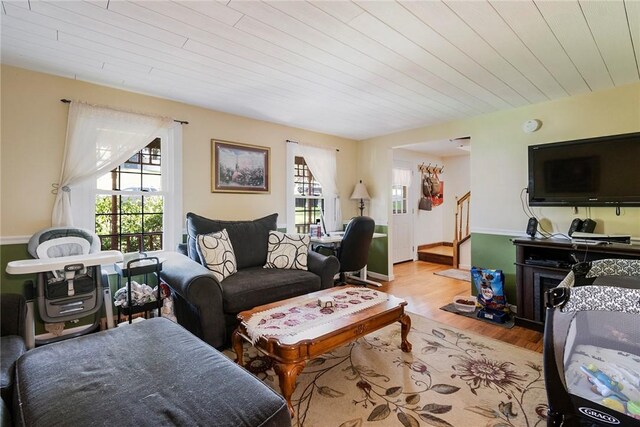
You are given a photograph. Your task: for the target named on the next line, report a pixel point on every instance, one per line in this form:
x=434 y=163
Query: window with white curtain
x=309 y=201
x=129 y=203
x=312 y=190
x=137 y=206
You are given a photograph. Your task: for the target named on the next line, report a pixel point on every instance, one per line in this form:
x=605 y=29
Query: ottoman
x=149 y=373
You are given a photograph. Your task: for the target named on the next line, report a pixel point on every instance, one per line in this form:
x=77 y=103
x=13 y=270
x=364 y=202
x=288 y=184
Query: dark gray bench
x=149 y=373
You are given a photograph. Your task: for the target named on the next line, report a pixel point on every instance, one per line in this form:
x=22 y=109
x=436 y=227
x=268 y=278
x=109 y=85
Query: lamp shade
x=360 y=192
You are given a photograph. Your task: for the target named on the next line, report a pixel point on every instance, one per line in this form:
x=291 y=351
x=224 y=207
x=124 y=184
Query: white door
x=402 y=212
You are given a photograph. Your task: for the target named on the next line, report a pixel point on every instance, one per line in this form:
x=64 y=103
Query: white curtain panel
x=323 y=166
x=98 y=140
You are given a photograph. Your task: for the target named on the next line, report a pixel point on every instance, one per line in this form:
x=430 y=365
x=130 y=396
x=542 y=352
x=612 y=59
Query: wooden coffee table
x=290 y=352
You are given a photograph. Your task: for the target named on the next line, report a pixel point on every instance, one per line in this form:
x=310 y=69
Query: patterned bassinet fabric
x=592 y=346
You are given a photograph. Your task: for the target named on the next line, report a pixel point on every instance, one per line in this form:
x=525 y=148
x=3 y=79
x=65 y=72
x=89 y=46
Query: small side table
x=146 y=266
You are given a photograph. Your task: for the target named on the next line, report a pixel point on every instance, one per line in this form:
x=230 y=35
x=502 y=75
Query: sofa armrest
x=182 y=249
x=13 y=311
x=324 y=266
x=198 y=289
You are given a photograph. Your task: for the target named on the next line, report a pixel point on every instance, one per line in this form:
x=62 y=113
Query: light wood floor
x=426 y=293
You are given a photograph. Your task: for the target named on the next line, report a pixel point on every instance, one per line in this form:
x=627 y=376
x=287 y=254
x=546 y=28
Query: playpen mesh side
x=597 y=335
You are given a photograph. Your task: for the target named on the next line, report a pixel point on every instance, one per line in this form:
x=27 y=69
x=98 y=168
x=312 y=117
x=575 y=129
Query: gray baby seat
x=73 y=287
x=592 y=345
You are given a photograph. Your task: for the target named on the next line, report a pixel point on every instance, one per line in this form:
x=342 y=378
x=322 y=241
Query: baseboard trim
x=464 y=267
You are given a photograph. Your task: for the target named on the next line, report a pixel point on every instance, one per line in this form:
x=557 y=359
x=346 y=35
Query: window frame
x=308 y=182
x=291 y=191
x=85 y=194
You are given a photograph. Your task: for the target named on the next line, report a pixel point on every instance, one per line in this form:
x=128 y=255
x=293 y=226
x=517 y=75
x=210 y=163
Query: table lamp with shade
x=360 y=192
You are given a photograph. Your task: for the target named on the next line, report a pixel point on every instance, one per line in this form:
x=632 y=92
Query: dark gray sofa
x=208 y=308
x=13 y=314
x=152 y=373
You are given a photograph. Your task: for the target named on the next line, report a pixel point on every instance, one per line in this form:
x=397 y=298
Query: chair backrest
x=354 y=248
x=57 y=242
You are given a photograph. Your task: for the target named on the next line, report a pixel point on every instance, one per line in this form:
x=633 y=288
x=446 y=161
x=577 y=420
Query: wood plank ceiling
x=354 y=69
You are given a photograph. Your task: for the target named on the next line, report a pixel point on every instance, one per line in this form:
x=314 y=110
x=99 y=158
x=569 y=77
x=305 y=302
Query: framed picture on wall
x=239 y=168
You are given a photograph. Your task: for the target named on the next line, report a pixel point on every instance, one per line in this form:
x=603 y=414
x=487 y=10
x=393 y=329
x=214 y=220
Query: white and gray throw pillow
x=216 y=253
x=287 y=251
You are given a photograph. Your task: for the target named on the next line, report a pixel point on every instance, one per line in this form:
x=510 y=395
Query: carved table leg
x=236 y=343
x=287 y=374
x=405 y=321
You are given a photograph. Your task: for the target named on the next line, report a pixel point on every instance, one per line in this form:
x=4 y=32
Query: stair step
x=435 y=258
x=439 y=254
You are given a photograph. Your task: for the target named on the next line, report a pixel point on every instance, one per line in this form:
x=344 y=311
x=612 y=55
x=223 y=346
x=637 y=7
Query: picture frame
x=239 y=168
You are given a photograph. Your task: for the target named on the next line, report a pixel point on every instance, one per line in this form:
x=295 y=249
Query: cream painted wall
x=456 y=178
x=32 y=142
x=499 y=157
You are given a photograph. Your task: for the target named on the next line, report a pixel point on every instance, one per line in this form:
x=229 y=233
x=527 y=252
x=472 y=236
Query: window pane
x=103 y=225
x=130 y=243
x=103 y=205
x=308 y=201
x=129 y=181
x=135 y=159
x=152 y=242
x=131 y=204
x=153 y=204
x=153 y=223
x=306 y=213
x=151 y=183
x=304 y=182
x=132 y=222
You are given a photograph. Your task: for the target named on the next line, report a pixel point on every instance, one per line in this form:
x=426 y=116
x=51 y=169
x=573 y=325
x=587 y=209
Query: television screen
x=589 y=172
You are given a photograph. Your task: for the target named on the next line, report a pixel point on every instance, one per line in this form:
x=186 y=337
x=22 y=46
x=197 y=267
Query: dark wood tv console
x=542 y=263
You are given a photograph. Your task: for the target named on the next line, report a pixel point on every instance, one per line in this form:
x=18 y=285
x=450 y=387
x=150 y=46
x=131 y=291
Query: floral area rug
x=451 y=378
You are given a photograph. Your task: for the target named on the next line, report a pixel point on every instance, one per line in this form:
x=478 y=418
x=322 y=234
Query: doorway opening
x=434 y=232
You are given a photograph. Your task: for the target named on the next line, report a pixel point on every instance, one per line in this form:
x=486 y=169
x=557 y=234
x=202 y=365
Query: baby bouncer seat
x=592 y=345
x=70 y=283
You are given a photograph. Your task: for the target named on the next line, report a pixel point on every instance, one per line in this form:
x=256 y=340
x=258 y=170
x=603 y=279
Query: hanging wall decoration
x=239 y=168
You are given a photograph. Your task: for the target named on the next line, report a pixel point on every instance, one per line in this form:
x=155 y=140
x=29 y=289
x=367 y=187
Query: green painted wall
x=8 y=253
x=496 y=252
x=379 y=252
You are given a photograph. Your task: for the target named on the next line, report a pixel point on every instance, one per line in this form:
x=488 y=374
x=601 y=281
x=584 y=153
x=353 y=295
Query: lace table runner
x=294 y=318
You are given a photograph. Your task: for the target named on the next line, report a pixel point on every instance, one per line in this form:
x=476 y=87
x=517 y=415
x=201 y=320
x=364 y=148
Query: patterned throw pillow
x=288 y=251
x=216 y=252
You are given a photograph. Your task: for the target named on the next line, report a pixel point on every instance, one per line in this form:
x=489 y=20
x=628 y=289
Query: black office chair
x=354 y=248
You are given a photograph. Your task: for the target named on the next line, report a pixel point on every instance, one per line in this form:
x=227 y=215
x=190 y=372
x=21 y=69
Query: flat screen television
x=602 y=171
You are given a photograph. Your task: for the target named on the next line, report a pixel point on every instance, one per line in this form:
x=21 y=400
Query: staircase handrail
x=458 y=236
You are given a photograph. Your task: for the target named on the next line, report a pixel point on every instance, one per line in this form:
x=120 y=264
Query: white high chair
x=70 y=284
